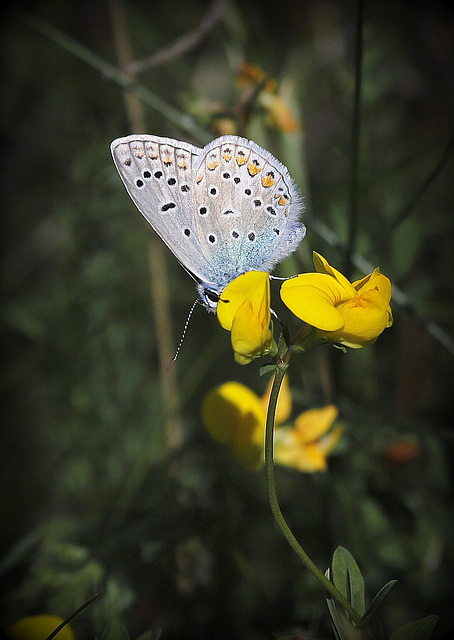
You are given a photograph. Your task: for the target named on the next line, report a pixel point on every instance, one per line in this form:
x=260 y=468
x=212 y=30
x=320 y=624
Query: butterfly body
x=223 y=210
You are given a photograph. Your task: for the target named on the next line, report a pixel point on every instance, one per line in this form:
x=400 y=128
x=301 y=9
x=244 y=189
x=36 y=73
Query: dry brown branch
x=183 y=44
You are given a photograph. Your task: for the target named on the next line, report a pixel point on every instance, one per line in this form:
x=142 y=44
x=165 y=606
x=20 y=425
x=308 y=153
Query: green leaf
x=347 y=577
x=267 y=368
x=115 y=631
x=418 y=630
x=342 y=627
x=376 y=602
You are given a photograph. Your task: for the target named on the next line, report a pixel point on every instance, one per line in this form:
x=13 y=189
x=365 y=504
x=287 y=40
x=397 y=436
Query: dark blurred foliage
x=92 y=496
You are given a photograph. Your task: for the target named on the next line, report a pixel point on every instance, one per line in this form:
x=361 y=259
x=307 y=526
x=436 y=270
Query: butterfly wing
x=247 y=208
x=158 y=174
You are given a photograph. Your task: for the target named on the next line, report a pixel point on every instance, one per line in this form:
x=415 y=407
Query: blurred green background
x=109 y=481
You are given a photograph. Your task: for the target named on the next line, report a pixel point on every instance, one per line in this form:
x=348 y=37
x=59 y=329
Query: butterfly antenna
x=174 y=359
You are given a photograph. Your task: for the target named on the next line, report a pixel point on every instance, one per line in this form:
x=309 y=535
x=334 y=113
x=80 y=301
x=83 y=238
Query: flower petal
x=234 y=414
x=322 y=266
x=253 y=286
x=365 y=317
x=313 y=297
x=311 y=425
x=375 y=280
x=329 y=442
x=288 y=452
x=229 y=408
x=249 y=338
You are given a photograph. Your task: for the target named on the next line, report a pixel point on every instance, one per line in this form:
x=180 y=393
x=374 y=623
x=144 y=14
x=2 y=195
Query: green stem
x=356 y=129
x=277 y=513
x=67 y=620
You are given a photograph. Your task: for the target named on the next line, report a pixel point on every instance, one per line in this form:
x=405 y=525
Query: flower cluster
x=353 y=315
x=341 y=312
x=233 y=414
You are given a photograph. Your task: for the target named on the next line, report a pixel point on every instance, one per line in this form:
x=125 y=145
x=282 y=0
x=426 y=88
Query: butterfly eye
x=211 y=295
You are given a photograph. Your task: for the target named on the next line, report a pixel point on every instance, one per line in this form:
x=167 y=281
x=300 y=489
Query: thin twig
x=184 y=121
x=408 y=208
x=356 y=130
x=157 y=250
x=182 y=45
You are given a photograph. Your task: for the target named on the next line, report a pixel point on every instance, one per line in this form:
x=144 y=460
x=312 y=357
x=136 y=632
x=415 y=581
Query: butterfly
x=223 y=210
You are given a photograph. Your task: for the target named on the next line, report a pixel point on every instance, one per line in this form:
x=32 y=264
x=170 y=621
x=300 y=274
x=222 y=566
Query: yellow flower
x=350 y=314
x=306 y=445
x=244 y=309
x=38 y=628
x=235 y=415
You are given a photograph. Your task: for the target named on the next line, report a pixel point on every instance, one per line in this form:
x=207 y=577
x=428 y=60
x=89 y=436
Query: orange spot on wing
x=253 y=169
x=282 y=200
x=199 y=178
x=241 y=159
x=268 y=181
x=227 y=156
x=212 y=165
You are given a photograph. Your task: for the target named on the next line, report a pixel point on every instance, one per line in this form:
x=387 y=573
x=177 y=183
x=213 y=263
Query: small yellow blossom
x=352 y=314
x=244 y=310
x=38 y=628
x=306 y=445
x=235 y=415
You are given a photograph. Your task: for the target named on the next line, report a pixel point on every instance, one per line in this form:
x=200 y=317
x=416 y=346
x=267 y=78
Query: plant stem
x=356 y=128
x=274 y=504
